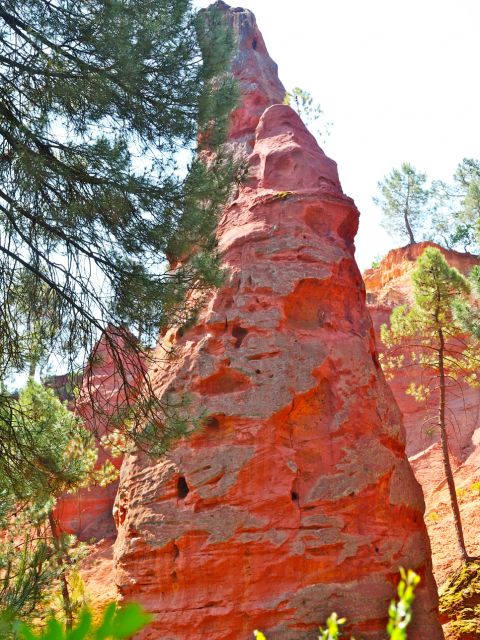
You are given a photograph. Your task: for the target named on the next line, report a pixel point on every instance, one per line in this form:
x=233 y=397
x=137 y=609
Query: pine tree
x=51 y=453
x=101 y=182
x=456 y=208
x=430 y=335
x=403 y=202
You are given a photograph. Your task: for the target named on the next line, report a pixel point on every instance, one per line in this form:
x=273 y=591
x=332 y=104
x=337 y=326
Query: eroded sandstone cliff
x=112 y=375
x=297 y=498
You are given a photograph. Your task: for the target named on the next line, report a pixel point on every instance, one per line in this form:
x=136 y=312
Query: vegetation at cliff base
x=116 y=624
x=51 y=453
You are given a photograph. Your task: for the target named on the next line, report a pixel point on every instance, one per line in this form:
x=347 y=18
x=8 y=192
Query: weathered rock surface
x=297 y=498
x=256 y=74
x=88 y=513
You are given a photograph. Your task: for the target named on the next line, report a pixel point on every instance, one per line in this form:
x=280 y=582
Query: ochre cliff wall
x=297 y=498
x=388 y=286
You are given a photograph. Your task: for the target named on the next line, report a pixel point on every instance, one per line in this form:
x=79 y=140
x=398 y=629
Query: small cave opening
x=294 y=496
x=239 y=334
x=254 y=44
x=182 y=488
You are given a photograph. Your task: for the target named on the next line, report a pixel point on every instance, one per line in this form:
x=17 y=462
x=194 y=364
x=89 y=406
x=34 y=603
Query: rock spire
x=297 y=498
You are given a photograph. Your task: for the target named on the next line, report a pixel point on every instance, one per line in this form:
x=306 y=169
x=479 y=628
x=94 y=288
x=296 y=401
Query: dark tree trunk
x=446 y=458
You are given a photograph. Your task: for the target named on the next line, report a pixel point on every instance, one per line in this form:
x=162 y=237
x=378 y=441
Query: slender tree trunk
x=67 y=604
x=446 y=458
x=407 y=224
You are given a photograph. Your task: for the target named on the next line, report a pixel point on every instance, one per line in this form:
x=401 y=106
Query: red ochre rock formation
x=256 y=74
x=105 y=386
x=296 y=499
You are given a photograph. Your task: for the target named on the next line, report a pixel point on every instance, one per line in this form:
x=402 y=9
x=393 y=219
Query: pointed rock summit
x=255 y=72
x=296 y=499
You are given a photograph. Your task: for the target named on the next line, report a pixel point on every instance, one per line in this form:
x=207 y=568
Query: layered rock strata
x=296 y=499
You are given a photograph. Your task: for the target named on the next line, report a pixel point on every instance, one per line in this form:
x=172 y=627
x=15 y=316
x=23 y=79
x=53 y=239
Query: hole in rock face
x=212 y=422
x=294 y=496
x=239 y=334
x=254 y=44
x=182 y=488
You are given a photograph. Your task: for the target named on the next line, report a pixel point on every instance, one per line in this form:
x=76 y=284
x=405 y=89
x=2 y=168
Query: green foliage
x=467 y=312
x=105 y=106
x=404 y=202
x=117 y=624
x=50 y=450
x=431 y=333
x=419 y=392
x=376 y=261
x=456 y=208
x=332 y=630
x=399 y=613
x=475 y=487
x=445 y=212
x=436 y=286
x=50 y=453
x=460 y=602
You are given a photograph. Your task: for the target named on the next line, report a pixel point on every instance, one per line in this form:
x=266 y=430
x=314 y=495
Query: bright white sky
x=399 y=80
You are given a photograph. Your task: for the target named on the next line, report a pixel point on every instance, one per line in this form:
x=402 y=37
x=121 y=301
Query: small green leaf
x=129 y=620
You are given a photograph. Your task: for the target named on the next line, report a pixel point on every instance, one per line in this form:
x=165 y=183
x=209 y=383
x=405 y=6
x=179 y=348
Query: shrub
x=116 y=624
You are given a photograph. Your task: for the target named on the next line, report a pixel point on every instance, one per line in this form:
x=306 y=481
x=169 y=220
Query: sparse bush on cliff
x=310 y=111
